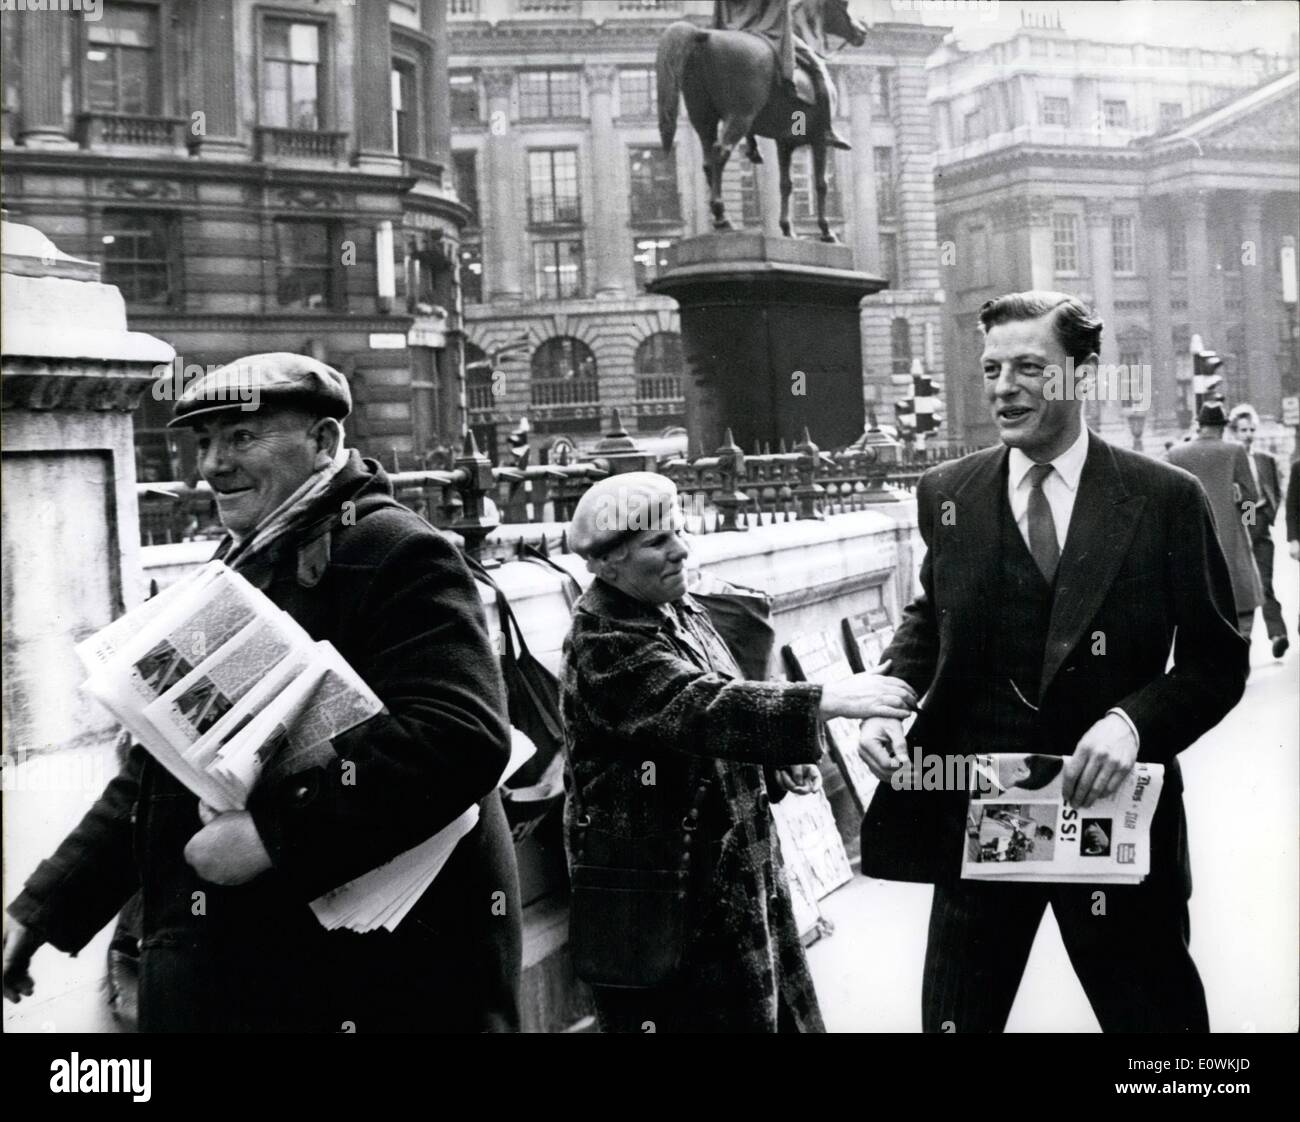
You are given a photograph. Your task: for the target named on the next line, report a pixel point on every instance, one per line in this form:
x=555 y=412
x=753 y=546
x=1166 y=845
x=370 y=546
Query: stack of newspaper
x=225 y=689
x=1019 y=828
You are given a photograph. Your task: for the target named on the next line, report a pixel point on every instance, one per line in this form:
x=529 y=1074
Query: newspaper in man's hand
x=1019 y=827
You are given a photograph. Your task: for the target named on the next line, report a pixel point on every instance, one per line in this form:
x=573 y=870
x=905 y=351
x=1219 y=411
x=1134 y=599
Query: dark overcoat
x=653 y=690
x=395 y=598
x=1224 y=472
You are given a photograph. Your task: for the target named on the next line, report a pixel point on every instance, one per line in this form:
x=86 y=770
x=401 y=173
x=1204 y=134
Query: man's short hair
x=1244 y=410
x=1077 y=329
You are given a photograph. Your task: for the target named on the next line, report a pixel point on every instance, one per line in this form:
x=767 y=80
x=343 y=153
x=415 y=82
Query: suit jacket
x=1270 y=493
x=1224 y=472
x=1140 y=562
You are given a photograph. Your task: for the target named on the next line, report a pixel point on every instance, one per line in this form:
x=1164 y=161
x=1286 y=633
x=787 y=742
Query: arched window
x=658 y=363
x=564 y=373
x=478 y=378
x=900 y=345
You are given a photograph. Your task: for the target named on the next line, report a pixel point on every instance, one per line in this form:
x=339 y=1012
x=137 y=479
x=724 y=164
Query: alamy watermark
x=1121 y=382
x=91 y=10
x=242 y=383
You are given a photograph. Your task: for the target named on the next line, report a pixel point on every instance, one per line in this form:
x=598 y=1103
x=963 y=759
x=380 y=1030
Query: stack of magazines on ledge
x=225 y=689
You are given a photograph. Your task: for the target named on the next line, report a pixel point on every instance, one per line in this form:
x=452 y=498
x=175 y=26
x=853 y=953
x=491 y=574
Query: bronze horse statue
x=733 y=79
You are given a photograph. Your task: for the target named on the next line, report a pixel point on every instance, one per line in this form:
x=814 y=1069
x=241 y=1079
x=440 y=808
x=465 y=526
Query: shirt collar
x=1068 y=465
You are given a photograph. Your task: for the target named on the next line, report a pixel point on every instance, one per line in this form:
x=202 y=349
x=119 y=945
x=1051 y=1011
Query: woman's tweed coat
x=649 y=684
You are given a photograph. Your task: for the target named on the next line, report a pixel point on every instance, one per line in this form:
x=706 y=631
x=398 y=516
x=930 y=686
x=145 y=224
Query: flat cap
x=276 y=379
x=1212 y=413
x=621 y=506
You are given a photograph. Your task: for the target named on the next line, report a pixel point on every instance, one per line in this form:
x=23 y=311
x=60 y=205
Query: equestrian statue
x=756 y=73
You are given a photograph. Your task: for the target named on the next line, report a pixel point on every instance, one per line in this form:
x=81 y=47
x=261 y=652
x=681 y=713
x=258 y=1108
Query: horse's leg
x=819 y=178
x=785 y=150
x=734 y=130
x=755 y=156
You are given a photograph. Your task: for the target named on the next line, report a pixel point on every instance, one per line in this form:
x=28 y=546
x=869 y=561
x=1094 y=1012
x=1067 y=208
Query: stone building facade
x=557 y=153
x=254 y=177
x=1158 y=183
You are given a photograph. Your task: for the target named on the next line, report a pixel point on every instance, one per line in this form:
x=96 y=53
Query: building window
x=553 y=186
x=478 y=378
x=1123 y=251
x=883 y=159
x=406 y=108
x=1055 y=111
x=889 y=257
x=805 y=188
x=1171 y=112
x=974 y=126
x=1176 y=233
x=557 y=269
x=880 y=82
x=979 y=255
x=658 y=362
x=637 y=95
x=548 y=95
x=122 y=68
x=648 y=258
x=900 y=346
x=464 y=98
x=291 y=65
x=465 y=165
x=138 y=250
x=652 y=175
x=1065 y=244
x=471 y=272
x=564 y=373
x=1115 y=114
x=304 y=274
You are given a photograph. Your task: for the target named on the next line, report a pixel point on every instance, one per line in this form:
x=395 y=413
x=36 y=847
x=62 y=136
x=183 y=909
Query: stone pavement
x=1243 y=812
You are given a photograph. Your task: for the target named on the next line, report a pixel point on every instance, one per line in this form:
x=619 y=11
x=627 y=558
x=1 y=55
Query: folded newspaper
x=1019 y=828
x=223 y=689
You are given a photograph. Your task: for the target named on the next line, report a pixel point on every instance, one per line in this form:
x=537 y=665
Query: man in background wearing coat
x=316 y=528
x=1268 y=485
x=1060 y=572
x=1224 y=472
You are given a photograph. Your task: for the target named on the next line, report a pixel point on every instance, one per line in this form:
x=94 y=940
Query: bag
x=533 y=705
x=630 y=909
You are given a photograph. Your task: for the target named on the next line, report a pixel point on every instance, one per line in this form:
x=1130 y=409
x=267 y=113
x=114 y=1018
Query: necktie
x=1042 y=527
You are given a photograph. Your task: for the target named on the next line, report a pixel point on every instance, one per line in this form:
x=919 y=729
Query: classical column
x=613 y=247
x=43 y=124
x=1097 y=215
x=767 y=177
x=1199 y=315
x=435 y=26
x=503 y=228
x=1034 y=216
x=1155 y=243
x=866 y=221
x=213 y=83
x=1263 y=383
x=915 y=161
x=372 y=124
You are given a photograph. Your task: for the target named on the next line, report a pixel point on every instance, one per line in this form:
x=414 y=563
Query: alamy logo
x=91 y=1076
x=91 y=10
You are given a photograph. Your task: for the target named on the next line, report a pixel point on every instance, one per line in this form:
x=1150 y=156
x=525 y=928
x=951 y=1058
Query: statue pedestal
x=771 y=335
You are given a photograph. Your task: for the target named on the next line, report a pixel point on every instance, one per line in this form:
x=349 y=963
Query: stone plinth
x=71 y=373
x=771 y=338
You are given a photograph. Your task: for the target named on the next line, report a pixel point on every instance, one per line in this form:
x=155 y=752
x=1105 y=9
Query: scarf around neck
x=285 y=517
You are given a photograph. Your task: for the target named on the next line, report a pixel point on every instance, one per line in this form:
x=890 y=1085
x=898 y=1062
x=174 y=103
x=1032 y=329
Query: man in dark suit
x=1268 y=488
x=1059 y=573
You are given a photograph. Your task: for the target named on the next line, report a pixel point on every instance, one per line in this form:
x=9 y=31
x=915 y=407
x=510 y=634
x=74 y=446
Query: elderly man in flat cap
x=316 y=527
x=673 y=761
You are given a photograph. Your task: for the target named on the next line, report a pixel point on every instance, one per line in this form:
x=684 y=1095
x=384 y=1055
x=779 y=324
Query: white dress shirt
x=1060 y=489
